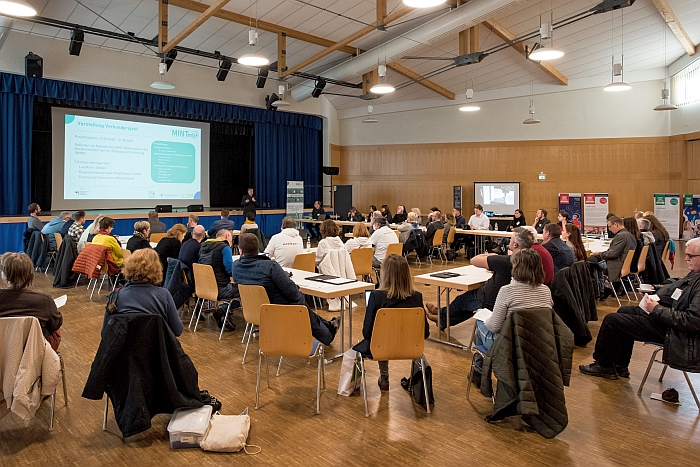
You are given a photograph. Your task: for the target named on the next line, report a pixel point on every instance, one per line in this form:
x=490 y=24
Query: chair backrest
x=437 y=239
x=664 y=255
x=398 y=334
x=205 y=282
x=642 y=262
x=322 y=217
x=398 y=235
x=59 y=240
x=157 y=237
x=362 y=261
x=451 y=236
x=394 y=248
x=305 y=262
x=125 y=253
x=285 y=330
x=627 y=264
x=252 y=298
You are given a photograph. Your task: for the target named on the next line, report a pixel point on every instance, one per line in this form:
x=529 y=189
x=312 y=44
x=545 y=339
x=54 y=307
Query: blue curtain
x=284 y=153
x=16 y=116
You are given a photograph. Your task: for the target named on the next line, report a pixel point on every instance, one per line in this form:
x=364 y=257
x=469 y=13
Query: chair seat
x=314 y=347
x=481 y=349
x=653 y=343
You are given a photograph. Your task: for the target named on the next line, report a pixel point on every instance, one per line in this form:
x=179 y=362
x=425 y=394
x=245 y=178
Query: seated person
x=395 y=291
x=330 y=240
x=659 y=232
x=255 y=269
x=526 y=290
x=104 y=237
x=370 y=214
x=156 y=225
x=192 y=222
x=68 y=223
x=360 y=238
x=249 y=222
x=541 y=220
x=189 y=251
x=400 y=215
x=139 y=240
x=284 y=246
x=314 y=228
x=16 y=300
x=420 y=216
x=563 y=218
x=448 y=221
x=405 y=228
x=647 y=237
x=622 y=242
x=54 y=226
x=141 y=294
x=518 y=220
x=463 y=307
x=354 y=215
x=221 y=224
x=460 y=221
x=216 y=252
x=169 y=246
x=386 y=213
x=33 y=221
x=630 y=224
x=90 y=232
x=572 y=237
x=547 y=262
x=75 y=231
x=435 y=223
x=562 y=255
x=673 y=320
x=382 y=237
x=479 y=221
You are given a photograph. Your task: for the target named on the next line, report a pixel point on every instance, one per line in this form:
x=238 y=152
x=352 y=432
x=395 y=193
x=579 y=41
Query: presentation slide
x=112 y=157
x=499 y=198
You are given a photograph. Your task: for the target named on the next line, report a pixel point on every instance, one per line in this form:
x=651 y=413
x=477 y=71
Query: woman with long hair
x=395 y=291
x=360 y=238
x=659 y=232
x=518 y=220
x=169 y=246
x=90 y=232
x=572 y=236
x=386 y=213
x=632 y=227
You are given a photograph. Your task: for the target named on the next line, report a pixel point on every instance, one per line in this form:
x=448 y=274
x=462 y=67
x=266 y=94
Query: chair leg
x=106 y=411
x=692 y=389
x=245 y=352
x=318 y=383
x=63 y=378
x=323 y=368
x=257 y=381
x=94 y=285
x=663 y=372
x=279 y=366
x=364 y=383
x=425 y=382
x=629 y=279
x=194 y=312
x=646 y=373
x=267 y=371
x=199 y=315
x=53 y=405
x=76 y=282
x=615 y=293
x=223 y=326
x=245 y=331
x=624 y=287
x=471 y=373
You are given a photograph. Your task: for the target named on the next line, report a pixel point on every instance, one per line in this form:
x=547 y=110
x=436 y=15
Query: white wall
x=580 y=113
x=128 y=71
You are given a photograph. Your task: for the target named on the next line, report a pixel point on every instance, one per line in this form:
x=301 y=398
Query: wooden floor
x=608 y=423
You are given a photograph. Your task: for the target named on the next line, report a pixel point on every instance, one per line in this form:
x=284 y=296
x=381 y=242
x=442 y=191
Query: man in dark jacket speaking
x=255 y=269
x=674 y=320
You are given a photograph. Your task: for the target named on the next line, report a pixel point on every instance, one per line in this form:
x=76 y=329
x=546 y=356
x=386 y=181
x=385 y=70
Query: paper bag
x=350 y=375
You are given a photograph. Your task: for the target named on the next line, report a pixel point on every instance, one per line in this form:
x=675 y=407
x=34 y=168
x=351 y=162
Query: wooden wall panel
x=630 y=169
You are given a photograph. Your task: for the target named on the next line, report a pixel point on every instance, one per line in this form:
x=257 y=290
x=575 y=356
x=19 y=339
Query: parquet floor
x=608 y=423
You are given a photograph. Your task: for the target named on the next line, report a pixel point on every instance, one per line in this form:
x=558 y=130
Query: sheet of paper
x=339 y=281
x=60 y=301
x=483 y=314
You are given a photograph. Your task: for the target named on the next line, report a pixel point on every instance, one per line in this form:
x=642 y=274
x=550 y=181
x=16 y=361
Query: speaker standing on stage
x=249 y=202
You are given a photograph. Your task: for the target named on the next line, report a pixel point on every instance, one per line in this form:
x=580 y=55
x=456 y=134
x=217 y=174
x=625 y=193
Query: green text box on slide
x=172 y=162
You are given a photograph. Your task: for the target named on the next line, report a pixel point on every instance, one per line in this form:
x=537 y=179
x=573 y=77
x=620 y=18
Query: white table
x=596 y=245
x=123 y=240
x=311 y=250
x=324 y=290
x=470 y=278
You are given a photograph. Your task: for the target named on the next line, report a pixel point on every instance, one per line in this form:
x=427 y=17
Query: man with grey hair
x=54 y=226
x=673 y=320
x=286 y=245
x=189 y=251
x=463 y=307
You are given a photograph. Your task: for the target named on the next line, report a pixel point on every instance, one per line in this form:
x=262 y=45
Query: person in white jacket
x=284 y=246
x=331 y=240
x=360 y=238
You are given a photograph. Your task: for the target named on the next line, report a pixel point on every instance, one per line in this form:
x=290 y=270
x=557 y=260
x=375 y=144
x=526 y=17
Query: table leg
x=447 y=325
x=439 y=314
x=342 y=325
x=349 y=321
x=447 y=306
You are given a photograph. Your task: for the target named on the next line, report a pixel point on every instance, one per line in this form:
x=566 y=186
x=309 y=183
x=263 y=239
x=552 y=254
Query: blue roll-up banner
x=571 y=204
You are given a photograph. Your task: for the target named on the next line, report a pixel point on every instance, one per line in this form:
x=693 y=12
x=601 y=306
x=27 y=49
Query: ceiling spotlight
x=470 y=106
x=281 y=102
x=423 y=3
x=16 y=8
x=382 y=88
x=319 y=84
x=665 y=94
x=161 y=83
x=531 y=120
x=224 y=67
x=370 y=118
x=253 y=59
x=77 y=36
x=271 y=99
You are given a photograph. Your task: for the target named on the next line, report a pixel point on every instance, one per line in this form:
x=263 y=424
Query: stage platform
x=12 y=228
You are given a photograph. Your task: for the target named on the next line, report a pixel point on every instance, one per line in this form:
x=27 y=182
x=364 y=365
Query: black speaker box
x=164 y=208
x=33 y=66
x=262 y=77
x=195 y=208
x=77 y=36
x=331 y=170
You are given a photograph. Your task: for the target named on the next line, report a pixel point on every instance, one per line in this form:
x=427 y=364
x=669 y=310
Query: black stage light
x=77 y=36
x=224 y=66
x=319 y=84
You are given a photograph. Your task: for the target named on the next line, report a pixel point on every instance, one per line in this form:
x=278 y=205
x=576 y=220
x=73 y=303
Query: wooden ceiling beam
x=352 y=37
x=381 y=10
x=421 y=80
x=198 y=21
x=162 y=24
x=508 y=37
x=469 y=40
x=263 y=25
x=369 y=79
x=674 y=25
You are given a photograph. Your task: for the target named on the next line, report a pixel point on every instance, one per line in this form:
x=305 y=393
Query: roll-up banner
x=691 y=216
x=667 y=208
x=595 y=211
x=295 y=199
x=571 y=204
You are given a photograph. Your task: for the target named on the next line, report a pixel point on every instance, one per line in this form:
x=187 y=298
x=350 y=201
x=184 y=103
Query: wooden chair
x=626 y=272
x=641 y=264
x=305 y=262
x=252 y=298
x=53 y=396
x=437 y=245
x=125 y=253
x=398 y=334
x=398 y=235
x=285 y=331
x=54 y=253
x=394 y=249
x=660 y=347
x=664 y=254
x=157 y=237
x=362 y=262
x=449 y=241
x=205 y=288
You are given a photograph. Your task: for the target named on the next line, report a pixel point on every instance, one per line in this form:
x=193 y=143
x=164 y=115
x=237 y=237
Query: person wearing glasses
x=673 y=320
x=622 y=242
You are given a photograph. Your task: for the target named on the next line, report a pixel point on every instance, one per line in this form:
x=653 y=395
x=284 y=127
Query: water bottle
x=495 y=227
x=308 y=243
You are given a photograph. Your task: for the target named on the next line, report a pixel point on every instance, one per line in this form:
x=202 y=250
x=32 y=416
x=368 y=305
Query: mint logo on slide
x=185 y=134
x=70 y=119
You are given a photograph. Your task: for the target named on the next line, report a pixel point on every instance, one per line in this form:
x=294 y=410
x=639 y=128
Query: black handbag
x=415 y=385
